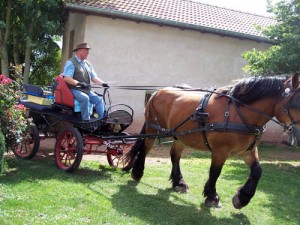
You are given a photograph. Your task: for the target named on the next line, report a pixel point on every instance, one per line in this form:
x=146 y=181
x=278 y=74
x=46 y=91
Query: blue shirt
x=69 y=68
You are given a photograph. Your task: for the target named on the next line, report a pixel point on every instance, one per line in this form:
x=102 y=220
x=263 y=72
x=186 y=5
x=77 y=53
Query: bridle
x=290 y=95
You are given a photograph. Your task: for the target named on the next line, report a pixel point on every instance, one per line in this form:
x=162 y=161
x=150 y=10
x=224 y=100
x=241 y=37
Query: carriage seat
x=36 y=94
x=64 y=96
x=31 y=89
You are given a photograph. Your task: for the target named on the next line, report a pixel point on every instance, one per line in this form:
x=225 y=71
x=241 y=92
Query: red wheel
x=115 y=153
x=30 y=144
x=68 y=149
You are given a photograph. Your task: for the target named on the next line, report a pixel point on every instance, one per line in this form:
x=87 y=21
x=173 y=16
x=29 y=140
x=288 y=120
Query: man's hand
x=106 y=85
x=84 y=85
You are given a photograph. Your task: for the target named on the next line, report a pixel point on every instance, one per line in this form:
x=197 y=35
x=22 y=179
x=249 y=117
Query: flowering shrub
x=2 y=150
x=12 y=121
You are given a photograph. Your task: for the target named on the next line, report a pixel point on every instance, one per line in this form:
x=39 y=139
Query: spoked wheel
x=68 y=149
x=116 y=151
x=30 y=144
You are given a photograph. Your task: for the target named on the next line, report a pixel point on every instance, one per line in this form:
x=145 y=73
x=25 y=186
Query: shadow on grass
x=45 y=169
x=280 y=181
x=158 y=209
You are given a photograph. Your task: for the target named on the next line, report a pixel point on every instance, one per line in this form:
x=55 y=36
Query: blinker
x=286 y=92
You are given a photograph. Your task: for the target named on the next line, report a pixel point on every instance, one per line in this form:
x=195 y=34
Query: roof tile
x=187 y=12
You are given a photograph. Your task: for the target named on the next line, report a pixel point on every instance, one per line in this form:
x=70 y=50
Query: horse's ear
x=295 y=81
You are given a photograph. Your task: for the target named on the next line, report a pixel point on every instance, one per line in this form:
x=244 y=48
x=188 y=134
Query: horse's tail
x=130 y=156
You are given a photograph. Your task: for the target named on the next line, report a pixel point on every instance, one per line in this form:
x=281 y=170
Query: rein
x=231 y=98
x=131 y=87
x=286 y=109
x=241 y=103
x=155 y=88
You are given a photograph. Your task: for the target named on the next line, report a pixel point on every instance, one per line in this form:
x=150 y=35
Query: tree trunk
x=28 y=53
x=16 y=49
x=3 y=41
x=4 y=61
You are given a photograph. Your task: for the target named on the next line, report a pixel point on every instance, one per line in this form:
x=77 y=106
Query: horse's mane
x=249 y=90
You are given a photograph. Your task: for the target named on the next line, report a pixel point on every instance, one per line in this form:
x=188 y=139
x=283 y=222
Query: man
x=78 y=74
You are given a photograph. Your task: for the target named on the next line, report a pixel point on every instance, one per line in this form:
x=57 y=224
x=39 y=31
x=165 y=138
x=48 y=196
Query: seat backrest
x=35 y=90
x=63 y=94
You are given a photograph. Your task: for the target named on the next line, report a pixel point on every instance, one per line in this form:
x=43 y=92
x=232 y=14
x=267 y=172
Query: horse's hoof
x=181 y=189
x=136 y=177
x=213 y=203
x=236 y=202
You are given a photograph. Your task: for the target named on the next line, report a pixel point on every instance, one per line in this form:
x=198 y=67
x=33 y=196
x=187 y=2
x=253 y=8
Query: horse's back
x=169 y=107
x=172 y=105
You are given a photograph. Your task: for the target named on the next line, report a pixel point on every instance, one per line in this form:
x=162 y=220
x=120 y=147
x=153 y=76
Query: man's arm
x=70 y=81
x=97 y=80
x=68 y=73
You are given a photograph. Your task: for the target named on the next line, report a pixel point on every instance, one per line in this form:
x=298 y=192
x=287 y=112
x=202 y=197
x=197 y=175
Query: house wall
x=130 y=53
x=75 y=30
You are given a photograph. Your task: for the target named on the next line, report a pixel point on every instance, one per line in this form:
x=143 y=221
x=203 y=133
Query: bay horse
x=228 y=121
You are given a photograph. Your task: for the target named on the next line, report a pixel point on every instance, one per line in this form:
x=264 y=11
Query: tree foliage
x=46 y=67
x=284 y=56
x=31 y=30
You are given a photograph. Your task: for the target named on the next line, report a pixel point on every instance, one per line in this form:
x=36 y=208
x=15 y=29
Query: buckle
x=289 y=129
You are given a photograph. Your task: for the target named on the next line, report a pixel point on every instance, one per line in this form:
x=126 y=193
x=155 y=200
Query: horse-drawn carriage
x=227 y=121
x=55 y=113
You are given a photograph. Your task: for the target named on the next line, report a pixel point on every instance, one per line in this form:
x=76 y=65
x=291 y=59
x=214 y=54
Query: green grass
x=36 y=192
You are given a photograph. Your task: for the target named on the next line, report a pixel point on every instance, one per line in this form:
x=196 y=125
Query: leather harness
x=201 y=117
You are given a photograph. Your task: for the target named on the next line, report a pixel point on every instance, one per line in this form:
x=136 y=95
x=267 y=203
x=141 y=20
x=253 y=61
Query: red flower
x=2 y=77
x=6 y=81
x=19 y=107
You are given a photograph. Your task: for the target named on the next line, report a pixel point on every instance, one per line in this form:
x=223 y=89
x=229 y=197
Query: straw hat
x=80 y=46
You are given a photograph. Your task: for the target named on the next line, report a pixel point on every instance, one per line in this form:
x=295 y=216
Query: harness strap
x=226 y=115
x=235 y=127
x=251 y=129
x=201 y=116
x=241 y=115
x=210 y=127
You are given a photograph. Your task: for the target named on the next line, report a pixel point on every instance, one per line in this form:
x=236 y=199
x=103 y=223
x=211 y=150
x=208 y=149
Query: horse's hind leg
x=176 y=177
x=139 y=163
x=246 y=192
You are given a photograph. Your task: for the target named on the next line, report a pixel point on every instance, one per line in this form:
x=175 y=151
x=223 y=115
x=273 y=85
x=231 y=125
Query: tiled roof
x=185 y=14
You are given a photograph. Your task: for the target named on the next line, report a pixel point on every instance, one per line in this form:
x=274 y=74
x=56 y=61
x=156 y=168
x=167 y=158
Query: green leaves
x=33 y=24
x=284 y=56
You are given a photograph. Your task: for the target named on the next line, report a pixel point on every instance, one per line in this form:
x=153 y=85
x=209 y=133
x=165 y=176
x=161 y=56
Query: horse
x=228 y=121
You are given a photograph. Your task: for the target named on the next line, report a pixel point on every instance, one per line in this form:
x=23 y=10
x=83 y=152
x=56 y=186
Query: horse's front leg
x=246 y=192
x=210 y=192
x=143 y=147
x=176 y=177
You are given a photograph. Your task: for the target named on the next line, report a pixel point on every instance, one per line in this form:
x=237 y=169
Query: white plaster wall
x=75 y=22
x=130 y=53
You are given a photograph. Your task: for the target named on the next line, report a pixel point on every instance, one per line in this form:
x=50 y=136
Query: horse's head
x=287 y=110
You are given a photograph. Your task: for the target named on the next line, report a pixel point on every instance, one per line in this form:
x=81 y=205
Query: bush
x=12 y=121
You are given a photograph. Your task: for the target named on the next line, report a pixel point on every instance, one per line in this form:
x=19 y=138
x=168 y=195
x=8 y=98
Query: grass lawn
x=36 y=192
